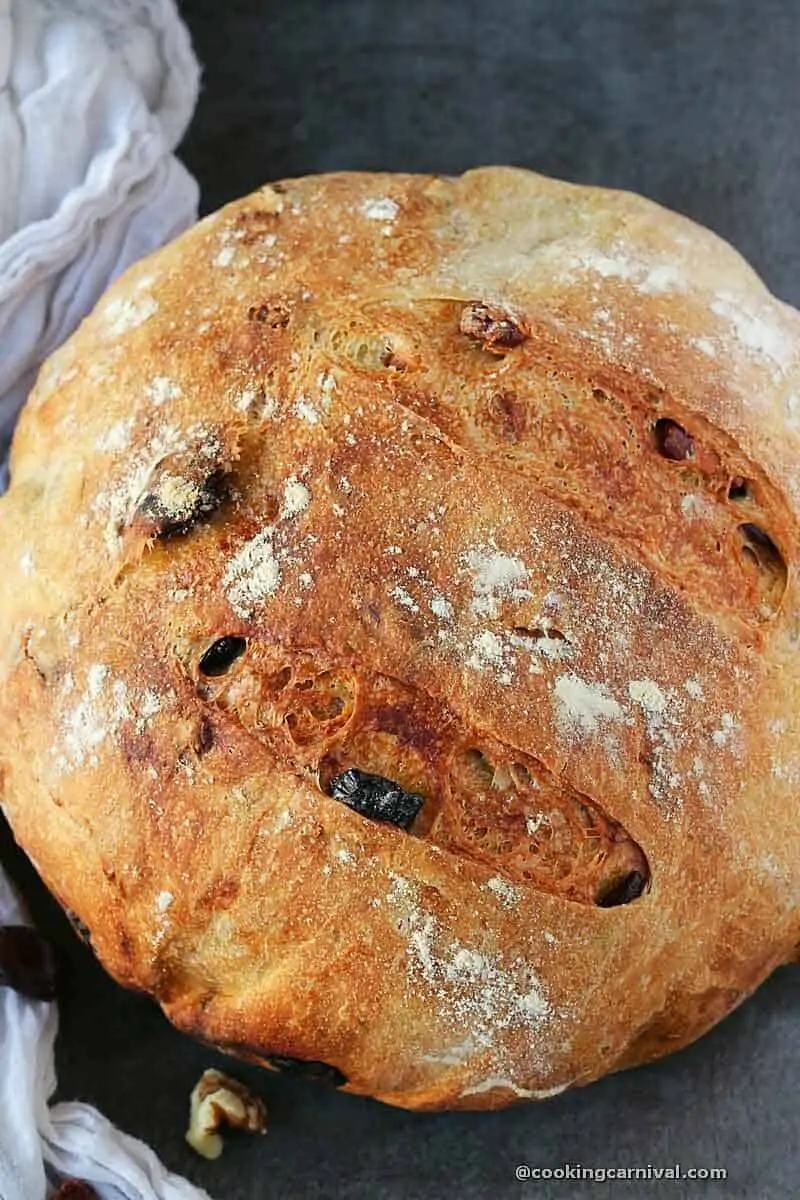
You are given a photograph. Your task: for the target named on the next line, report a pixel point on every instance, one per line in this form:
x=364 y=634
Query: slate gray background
x=695 y=105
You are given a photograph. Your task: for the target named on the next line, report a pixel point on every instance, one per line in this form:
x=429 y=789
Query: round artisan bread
x=399 y=675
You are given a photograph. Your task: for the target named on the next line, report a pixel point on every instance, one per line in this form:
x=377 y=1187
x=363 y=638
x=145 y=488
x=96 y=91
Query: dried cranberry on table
x=75 y=1189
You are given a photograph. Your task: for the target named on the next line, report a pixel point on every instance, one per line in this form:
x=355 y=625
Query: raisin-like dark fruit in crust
x=82 y=930
x=630 y=887
x=673 y=441
x=221 y=655
x=319 y=1071
x=163 y=513
x=376 y=797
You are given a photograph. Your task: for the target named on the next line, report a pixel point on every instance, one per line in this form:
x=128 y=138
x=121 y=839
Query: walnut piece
x=219 y=1100
x=494 y=327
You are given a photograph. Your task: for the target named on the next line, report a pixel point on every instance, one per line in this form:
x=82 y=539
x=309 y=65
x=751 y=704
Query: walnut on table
x=219 y=1100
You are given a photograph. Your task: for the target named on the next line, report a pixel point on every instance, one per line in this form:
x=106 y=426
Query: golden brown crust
x=495 y=479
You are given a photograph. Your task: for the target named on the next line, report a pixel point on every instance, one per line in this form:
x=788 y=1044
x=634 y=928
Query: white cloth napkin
x=70 y=1139
x=94 y=97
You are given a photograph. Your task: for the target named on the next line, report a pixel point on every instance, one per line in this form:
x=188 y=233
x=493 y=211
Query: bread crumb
x=271 y=201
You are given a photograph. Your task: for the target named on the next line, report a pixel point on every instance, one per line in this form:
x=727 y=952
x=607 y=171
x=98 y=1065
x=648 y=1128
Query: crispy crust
x=496 y=476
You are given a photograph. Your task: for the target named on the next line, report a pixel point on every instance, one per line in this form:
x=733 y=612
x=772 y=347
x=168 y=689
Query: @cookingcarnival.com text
x=675 y=1171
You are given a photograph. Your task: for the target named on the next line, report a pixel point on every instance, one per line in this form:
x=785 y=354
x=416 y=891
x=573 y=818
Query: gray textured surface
x=696 y=106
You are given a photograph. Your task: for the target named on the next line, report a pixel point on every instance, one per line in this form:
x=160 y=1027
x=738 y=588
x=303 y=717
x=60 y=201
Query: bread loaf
x=399 y=676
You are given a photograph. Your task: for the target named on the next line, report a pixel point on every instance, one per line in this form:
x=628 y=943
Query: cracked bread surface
x=485 y=488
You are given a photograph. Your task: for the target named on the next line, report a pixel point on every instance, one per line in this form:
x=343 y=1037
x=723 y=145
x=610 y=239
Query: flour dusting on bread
x=253 y=574
x=583 y=706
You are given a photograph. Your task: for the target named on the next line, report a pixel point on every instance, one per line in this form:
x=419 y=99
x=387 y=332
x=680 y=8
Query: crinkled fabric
x=39 y=1143
x=94 y=97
